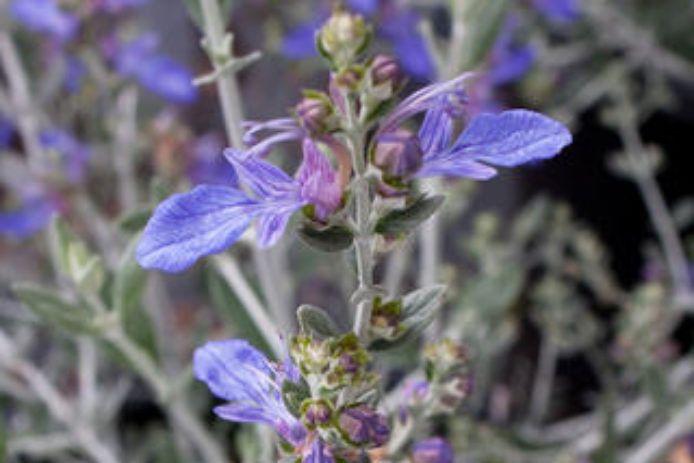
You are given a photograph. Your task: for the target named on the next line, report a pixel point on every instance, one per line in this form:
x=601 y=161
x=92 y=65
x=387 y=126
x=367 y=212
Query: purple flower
x=207 y=166
x=363 y=6
x=6 y=132
x=45 y=17
x=434 y=450
x=32 y=214
x=508 y=139
x=157 y=73
x=239 y=373
x=508 y=62
x=116 y=6
x=318 y=453
x=72 y=155
x=300 y=42
x=74 y=74
x=399 y=26
x=558 y=11
x=211 y=218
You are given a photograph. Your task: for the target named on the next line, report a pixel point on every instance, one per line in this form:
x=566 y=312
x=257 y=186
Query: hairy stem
x=363 y=239
x=658 y=211
x=232 y=111
x=230 y=271
x=57 y=405
x=19 y=91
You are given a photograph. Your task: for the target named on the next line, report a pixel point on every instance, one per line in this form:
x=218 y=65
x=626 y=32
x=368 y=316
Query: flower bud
x=314 y=113
x=398 y=154
x=434 y=450
x=362 y=426
x=310 y=356
x=385 y=69
x=446 y=365
x=385 y=319
x=343 y=37
x=316 y=413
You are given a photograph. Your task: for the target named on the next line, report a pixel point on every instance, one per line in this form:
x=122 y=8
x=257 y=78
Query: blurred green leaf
x=404 y=221
x=135 y=220
x=332 y=239
x=128 y=289
x=53 y=309
x=316 y=322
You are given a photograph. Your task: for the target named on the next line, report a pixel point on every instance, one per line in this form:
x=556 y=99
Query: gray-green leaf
x=332 y=239
x=128 y=289
x=316 y=322
x=53 y=309
x=404 y=221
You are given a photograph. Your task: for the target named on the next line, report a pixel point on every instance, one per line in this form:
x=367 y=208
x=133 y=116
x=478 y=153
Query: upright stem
x=27 y=123
x=363 y=239
x=227 y=87
x=661 y=218
x=232 y=111
x=544 y=378
x=124 y=147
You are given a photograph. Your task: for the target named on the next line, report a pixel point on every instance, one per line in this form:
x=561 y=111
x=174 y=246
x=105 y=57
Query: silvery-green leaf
x=419 y=309
x=128 y=290
x=403 y=221
x=55 y=310
x=60 y=237
x=316 y=322
x=73 y=258
x=332 y=239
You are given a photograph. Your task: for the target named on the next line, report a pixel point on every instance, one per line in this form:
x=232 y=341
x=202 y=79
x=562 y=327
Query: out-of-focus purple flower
x=157 y=73
x=208 y=166
x=365 y=7
x=508 y=139
x=558 y=11
x=6 y=132
x=434 y=450
x=74 y=74
x=116 y=6
x=239 y=373
x=398 y=26
x=168 y=79
x=211 y=218
x=72 y=155
x=509 y=62
x=300 y=42
x=33 y=214
x=45 y=17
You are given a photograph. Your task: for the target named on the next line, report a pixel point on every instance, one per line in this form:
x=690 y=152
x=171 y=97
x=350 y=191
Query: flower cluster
x=315 y=423
x=212 y=217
